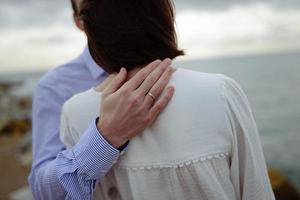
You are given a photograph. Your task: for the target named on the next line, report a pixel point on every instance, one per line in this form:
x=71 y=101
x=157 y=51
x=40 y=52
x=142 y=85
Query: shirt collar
x=95 y=70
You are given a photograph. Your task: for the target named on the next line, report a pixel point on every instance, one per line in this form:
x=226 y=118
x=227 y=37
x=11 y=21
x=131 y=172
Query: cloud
x=16 y=14
x=239 y=29
x=225 y=4
x=39 y=48
x=41 y=33
x=29 y=13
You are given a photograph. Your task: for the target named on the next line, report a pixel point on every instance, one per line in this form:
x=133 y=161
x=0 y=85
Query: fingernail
x=157 y=62
x=168 y=61
x=172 y=87
x=122 y=69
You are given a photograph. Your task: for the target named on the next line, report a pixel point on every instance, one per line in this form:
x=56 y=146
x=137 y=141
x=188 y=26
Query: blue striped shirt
x=58 y=173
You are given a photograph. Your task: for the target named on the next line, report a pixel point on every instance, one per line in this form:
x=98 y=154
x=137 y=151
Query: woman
x=205 y=144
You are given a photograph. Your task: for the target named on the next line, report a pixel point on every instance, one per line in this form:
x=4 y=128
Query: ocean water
x=272 y=85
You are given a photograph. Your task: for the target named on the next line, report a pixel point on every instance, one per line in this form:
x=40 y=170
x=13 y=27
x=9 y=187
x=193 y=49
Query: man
x=58 y=173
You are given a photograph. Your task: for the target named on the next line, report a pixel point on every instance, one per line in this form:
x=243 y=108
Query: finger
x=136 y=81
x=159 y=87
x=153 y=77
x=117 y=82
x=161 y=104
x=101 y=87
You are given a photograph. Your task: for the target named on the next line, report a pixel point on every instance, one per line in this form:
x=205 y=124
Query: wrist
x=94 y=156
x=115 y=141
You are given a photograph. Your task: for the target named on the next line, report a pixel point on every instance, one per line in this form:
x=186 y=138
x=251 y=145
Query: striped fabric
x=88 y=161
x=76 y=171
x=57 y=173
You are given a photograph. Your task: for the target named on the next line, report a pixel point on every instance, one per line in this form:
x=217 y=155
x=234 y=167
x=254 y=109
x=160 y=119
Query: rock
x=25 y=159
x=16 y=127
x=21 y=194
x=25 y=143
x=282 y=187
x=5 y=86
x=24 y=150
x=24 y=103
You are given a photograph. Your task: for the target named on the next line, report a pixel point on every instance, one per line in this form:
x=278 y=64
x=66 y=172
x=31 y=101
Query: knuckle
x=156 y=90
x=142 y=109
x=125 y=93
x=147 y=119
x=143 y=74
x=156 y=94
x=161 y=70
x=169 y=74
x=159 y=107
x=152 y=79
x=134 y=101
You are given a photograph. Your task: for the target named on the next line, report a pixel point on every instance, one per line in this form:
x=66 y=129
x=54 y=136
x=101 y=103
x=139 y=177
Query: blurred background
x=256 y=42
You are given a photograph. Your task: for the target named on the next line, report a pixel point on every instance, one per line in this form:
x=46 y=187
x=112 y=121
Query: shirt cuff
x=94 y=156
x=123 y=147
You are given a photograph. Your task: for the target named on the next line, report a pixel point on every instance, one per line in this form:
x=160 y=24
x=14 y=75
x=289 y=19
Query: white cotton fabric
x=204 y=145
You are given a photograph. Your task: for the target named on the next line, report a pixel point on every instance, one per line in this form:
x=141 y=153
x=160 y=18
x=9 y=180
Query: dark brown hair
x=129 y=33
x=74 y=7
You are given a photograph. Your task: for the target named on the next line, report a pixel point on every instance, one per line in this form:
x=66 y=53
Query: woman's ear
x=78 y=22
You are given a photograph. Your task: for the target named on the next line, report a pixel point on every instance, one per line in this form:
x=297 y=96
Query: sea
x=272 y=85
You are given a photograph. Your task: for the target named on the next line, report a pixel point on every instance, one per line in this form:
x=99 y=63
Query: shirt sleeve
x=248 y=167
x=64 y=174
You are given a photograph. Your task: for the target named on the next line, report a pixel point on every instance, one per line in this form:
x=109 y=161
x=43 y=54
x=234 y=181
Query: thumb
x=117 y=82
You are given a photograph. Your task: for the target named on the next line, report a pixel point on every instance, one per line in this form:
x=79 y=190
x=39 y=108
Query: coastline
x=267 y=82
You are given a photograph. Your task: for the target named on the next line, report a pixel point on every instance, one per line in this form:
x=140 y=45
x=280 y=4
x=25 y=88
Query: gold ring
x=151 y=95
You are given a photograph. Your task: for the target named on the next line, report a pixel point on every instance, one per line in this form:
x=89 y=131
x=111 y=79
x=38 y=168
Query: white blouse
x=204 y=145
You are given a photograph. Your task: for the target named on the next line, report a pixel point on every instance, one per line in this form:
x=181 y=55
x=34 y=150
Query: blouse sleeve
x=248 y=167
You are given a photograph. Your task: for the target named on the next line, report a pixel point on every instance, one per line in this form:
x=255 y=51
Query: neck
x=107 y=81
x=132 y=72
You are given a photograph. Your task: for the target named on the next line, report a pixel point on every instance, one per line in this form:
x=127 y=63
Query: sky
x=39 y=35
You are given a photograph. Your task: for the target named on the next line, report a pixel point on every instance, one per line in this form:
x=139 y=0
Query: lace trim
x=174 y=165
